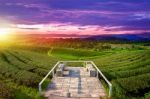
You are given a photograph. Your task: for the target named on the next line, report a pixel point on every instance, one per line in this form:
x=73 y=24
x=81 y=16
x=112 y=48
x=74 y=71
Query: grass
x=25 y=69
x=70 y=53
x=128 y=70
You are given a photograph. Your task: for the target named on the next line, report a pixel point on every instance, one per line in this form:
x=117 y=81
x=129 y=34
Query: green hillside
x=129 y=71
x=70 y=53
x=22 y=70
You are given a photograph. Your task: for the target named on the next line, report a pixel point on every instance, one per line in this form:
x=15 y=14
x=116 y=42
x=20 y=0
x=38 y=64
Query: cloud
x=24 y=26
x=140 y=16
x=78 y=15
x=68 y=28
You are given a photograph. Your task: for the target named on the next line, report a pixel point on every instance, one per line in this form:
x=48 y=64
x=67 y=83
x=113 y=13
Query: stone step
x=79 y=86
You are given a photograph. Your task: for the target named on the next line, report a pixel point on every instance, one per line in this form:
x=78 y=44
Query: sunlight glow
x=4 y=34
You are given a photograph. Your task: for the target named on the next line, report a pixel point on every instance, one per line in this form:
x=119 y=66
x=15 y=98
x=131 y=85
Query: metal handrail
x=40 y=88
x=109 y=84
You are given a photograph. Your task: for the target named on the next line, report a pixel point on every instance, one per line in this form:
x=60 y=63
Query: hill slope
x=129 y=71
x=22 y=70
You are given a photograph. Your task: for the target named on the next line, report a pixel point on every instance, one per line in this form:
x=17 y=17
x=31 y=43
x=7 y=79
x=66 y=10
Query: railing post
x=85 y=64
x=40 y=89
x=65 y=63
x=53 y=73
x=110 y=91
x=97 y=74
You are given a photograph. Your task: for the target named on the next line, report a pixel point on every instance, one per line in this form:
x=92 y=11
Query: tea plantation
x=21 y=70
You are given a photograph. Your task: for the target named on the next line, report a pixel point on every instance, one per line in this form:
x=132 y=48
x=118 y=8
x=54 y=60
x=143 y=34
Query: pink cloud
x=61 y=28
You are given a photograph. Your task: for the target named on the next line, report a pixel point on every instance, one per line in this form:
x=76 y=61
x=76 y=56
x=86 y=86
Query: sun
x=4 y=34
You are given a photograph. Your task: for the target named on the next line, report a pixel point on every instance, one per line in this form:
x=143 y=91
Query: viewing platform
x=80 y=82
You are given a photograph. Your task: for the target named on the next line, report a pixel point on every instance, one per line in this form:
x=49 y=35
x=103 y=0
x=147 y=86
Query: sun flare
x=4 y=34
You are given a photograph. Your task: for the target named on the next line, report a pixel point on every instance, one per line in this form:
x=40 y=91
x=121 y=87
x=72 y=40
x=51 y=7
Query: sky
x=81 y=17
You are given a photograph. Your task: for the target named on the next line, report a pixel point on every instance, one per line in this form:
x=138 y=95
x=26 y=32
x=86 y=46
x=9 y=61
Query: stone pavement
x=75 y=84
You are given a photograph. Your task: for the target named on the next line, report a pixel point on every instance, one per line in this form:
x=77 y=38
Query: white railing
x=109 y=84
x=85 y=62
x=51 y=71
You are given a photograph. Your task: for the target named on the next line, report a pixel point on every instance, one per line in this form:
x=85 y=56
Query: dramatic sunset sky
x=82 y=17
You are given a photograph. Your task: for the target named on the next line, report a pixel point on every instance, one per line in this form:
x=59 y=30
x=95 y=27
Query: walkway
x=77 y=83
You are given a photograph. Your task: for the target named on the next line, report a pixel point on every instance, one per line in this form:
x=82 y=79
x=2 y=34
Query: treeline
x=44 y=44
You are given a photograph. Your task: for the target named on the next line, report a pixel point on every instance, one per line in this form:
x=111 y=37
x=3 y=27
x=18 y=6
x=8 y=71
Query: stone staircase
x=77 y=84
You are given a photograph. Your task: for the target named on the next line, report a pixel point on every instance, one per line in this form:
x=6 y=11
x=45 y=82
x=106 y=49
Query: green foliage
x=147 y=95
x=102 y=46
x=25 y=69
x=5 y=91
x=127 y=66
x=135 y=85
x=45 y=84
x=129 y=71
x=66 y=52
x=27 y=78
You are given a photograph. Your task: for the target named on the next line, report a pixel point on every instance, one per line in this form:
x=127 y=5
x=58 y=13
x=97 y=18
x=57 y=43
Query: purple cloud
x=128 y=14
